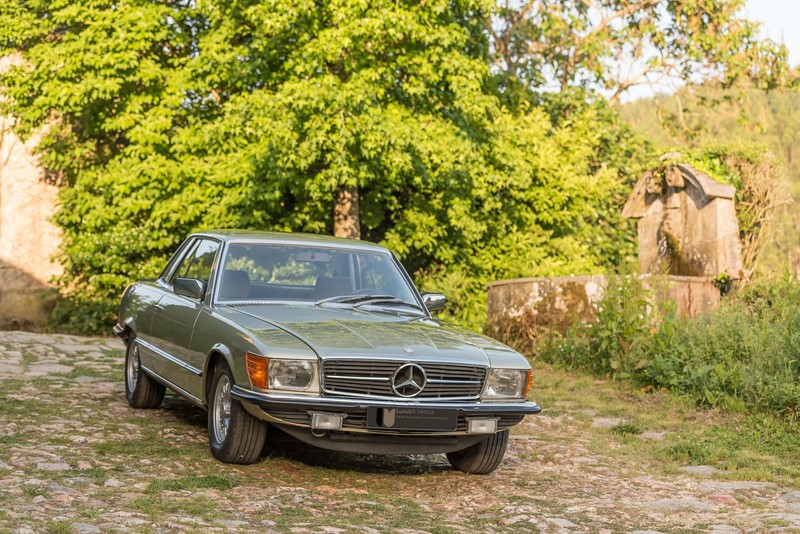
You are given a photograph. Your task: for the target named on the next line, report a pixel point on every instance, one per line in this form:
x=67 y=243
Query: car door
x=175 y=317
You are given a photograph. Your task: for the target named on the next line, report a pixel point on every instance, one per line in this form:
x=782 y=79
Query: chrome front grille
x=372 y=378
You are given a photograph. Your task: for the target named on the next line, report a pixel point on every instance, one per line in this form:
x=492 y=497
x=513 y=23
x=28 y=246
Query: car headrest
x=235 y=285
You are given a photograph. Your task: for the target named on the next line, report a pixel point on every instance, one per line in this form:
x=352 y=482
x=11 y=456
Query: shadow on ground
x=281 y=445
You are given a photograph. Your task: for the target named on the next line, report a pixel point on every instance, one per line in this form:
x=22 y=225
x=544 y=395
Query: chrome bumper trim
x=273 y=400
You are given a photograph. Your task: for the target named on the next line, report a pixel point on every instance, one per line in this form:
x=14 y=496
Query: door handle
x=159 y=307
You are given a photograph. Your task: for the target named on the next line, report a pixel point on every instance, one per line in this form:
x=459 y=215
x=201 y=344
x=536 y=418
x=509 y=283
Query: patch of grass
x=196 y=505
x=97 y=475
x=626 y=429
x=58 y=527
x=32 y=491
x=192 y=482
x=11 y=385
x=741 y=357
x=689 y=452
x=754 y=446
x=407 y=512
x=4 y=515
x=89 y=512
x=140 y=448
x=93 y=372
x=768 y=523
x=10 y=440
x=294 y=514
x=28 y=358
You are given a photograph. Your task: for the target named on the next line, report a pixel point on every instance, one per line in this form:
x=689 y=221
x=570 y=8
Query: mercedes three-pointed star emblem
x=409 y=380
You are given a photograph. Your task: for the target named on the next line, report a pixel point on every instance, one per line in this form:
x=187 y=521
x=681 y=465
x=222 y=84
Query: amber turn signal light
x=257 y=370
x=529 y=382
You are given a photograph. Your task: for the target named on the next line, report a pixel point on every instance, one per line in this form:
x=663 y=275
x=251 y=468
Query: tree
x=379 y=119
x=614 y=45
x=168 y=116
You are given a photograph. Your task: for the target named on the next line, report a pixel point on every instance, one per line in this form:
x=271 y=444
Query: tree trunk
x=346 y=222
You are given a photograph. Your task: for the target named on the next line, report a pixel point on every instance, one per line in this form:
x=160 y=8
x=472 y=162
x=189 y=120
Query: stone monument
x=687 y=223
x=688 y=237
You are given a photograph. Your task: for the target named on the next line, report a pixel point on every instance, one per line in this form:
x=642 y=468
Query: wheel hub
x=222 y=408
x=133 y=368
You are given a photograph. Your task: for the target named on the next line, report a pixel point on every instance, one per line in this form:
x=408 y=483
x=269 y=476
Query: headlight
x=507 y=383
x=293 y=375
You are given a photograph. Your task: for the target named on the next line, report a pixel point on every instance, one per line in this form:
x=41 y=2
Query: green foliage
x=626 y=429
x=607 y=346
x=551 y=211
x=83 y=314
x=613 y=45
x=164 y=118
x=742 y=356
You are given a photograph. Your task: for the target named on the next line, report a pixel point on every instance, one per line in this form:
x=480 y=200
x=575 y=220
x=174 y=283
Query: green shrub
x=743 y=356
x=82 y=315
x=608 y=346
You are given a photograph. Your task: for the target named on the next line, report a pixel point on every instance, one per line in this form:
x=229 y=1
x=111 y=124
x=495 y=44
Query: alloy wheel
x=132 y=369
x=222 y=408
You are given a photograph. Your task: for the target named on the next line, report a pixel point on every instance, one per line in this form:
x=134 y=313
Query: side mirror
x=434 y=301
x=190 y=287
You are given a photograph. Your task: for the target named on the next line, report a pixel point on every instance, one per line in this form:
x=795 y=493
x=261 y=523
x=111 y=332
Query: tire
x=140 y=389
x=235 y=436
x=481 y=458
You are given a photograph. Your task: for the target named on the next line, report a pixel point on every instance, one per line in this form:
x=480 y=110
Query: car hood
x=339 y=331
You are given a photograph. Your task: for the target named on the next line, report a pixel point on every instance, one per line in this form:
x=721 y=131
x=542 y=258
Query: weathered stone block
x=524 y=311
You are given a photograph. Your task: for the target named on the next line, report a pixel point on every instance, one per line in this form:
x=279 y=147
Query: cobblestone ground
x=75 y=458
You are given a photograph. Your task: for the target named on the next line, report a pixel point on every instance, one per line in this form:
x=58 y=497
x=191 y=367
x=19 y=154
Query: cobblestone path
x=75 y=458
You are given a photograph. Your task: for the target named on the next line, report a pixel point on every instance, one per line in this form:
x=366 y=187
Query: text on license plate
x=415 y=418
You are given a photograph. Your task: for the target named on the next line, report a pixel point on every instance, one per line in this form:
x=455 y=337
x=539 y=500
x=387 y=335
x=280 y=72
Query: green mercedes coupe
x=324 y=338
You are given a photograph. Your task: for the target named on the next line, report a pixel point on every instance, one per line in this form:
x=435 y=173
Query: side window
x=198 y=263
x=189 y=243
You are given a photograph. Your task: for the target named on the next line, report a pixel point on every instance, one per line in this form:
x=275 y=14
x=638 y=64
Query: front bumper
x=295 y=410
x=292 y=414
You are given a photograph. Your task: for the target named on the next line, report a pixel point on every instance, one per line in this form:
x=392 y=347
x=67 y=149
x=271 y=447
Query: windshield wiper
x=389 y=301
x=352 y=299
x=361 y=300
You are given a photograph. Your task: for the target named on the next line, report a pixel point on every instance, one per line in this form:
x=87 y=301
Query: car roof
x=288 y=238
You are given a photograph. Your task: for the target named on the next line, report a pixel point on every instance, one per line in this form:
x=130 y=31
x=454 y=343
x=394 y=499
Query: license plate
x=405 y=418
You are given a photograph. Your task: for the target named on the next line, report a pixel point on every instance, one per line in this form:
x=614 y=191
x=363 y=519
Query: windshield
x=311 y=274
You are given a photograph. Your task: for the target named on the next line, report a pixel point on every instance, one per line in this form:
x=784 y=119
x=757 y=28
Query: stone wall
x=28 y=239
x=524 y=310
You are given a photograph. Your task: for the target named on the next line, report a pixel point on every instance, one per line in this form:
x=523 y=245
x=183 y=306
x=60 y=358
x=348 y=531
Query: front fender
x=219 y=351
